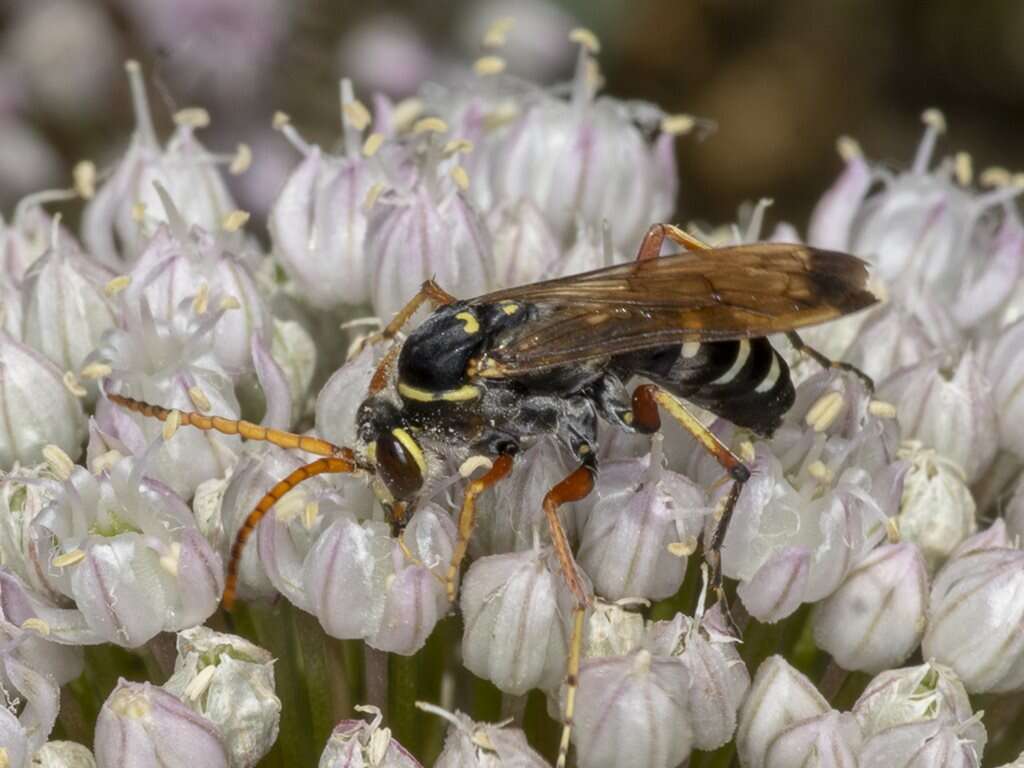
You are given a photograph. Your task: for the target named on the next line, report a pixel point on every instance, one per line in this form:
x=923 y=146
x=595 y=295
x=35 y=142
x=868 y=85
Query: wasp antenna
x=330 y=465
x=246 y=429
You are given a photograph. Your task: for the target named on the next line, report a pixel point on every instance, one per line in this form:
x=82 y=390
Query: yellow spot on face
x=410 y=444
x=472 y=325
x=509 y=307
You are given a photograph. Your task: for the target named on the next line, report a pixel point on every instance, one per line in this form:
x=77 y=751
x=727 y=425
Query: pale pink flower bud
x=875 y=620
x=126 y=209
x=35 y=691
x=66 y=310
x=30 y=234
x=23 y=495
x=174 y=368
x=360 y=582
x=483 y=745
x=587 y=158
x=831 y=740
x=612 y=690
x=431 y=230
x=719 y=680
x=937 y=510
x=517 y=612
x=14 y=746
x=359 y=744
x=524 y=245
x=992 y=275
x=975 y=610
x=779 y=697
x=229 y=681
x=592 y=249
x=1004 y=367
x=953 y=412
x=897 y=701
x=920 y=745
x=40 y=408
x=642 y=510
x=125 y=549
x=180 y=267
x=319 y=220
x=143 y=726
x=832 y=219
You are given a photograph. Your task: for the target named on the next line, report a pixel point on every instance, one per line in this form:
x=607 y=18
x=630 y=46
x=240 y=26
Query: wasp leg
x=329 y=465
x=573 y=488
x=246 y=429
x=467 y=516
x=646 y=399
x=650 y=246
x=429 y=291
x=826 y=362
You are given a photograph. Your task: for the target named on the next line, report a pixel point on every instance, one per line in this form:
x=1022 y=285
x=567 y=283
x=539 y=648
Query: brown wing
x=712 y=295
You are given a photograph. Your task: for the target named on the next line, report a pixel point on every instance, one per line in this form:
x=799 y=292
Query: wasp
x=488 y=374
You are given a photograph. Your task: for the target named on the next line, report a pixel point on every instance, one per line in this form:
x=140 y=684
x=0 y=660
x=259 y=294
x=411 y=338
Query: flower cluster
x=863 y=541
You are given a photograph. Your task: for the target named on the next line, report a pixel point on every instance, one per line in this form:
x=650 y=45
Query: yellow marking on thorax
x=459 y=395
x=472 y=325
x=412 y=447
x=509 y=307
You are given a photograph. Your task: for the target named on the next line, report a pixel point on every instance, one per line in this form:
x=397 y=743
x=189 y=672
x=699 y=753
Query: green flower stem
x=341 y=679
x=402 y=702
x=275 y=632
x=375 y=674
x=314 y=652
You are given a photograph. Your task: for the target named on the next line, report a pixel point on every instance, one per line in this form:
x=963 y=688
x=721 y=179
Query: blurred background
x=781 y=79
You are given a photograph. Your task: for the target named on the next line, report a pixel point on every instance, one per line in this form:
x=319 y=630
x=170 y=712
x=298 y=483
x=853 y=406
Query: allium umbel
x=877 y=525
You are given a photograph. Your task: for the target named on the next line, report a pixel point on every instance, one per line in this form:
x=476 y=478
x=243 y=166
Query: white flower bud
x=524 y=246
x=832 y=219
x=613 y=689
x=126 y=550
x=898 y=704
x=63 y=754
x=229 y=681
x=875 y=620
x=937 y=510
x=33 y=694
x=361 y=583
x=1004 y=367
x=831 y=740
x=179 y=267
x=483 y=745
x=23 y=495
x=920 y=745
x=448 y=240
x=517 y=612
x=779 y=697
x=340 y=398
x=66 y=308
x=167 y=366
x=952 y=412
x=642 y=510
x=40 y=409
x=976 y=606
x=127 y=208
x=586 y=158
x=358 y=744
x=719 y=680
x=143 y=726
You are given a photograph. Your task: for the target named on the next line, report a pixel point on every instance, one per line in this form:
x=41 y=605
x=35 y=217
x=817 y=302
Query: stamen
x=489 y=65
x=963 y=168
x=460 y=177
x=456 y=146
x=356 y=114
x=84 y=175
x=72 y=385
x=584 y=37
x=140 y=104
x=882 y=409
x=235 y=220
x=192 y=117
x=372 y=194
x=171 y=424
x=405 y=112
x=242 y=160
x=935 y=124
x=995 y=176
x=373 y=143
x=201 y=301
x=36 y=625
x=95 y=371
x=678 y=125
x=229 y=302
x=848 y=148
x=68 y=558
x=199 y=398
x=58 y=461
x=825 y=411
x=198 y=685
x=430 y=125
x=497 y=33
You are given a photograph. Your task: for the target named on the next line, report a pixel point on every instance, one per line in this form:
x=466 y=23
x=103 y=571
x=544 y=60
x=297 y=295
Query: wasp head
x=392 y=449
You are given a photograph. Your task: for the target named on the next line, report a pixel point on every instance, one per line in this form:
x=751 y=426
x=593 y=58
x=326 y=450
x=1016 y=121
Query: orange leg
x=646 y=399
x=246 y=429
x=330 y=465
x=573 y=488
x=467 y=516
x=650 y=246
x=429 y=291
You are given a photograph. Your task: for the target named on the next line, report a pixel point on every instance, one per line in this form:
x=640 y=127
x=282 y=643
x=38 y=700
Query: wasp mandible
x=486 y=375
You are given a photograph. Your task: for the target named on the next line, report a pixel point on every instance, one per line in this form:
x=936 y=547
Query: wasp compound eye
x=400 y=463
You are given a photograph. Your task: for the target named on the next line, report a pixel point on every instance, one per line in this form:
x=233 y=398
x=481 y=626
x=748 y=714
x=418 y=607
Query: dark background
x=782 y=79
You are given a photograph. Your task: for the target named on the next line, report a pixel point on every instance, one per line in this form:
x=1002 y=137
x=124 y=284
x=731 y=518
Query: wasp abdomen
x=746 y=381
